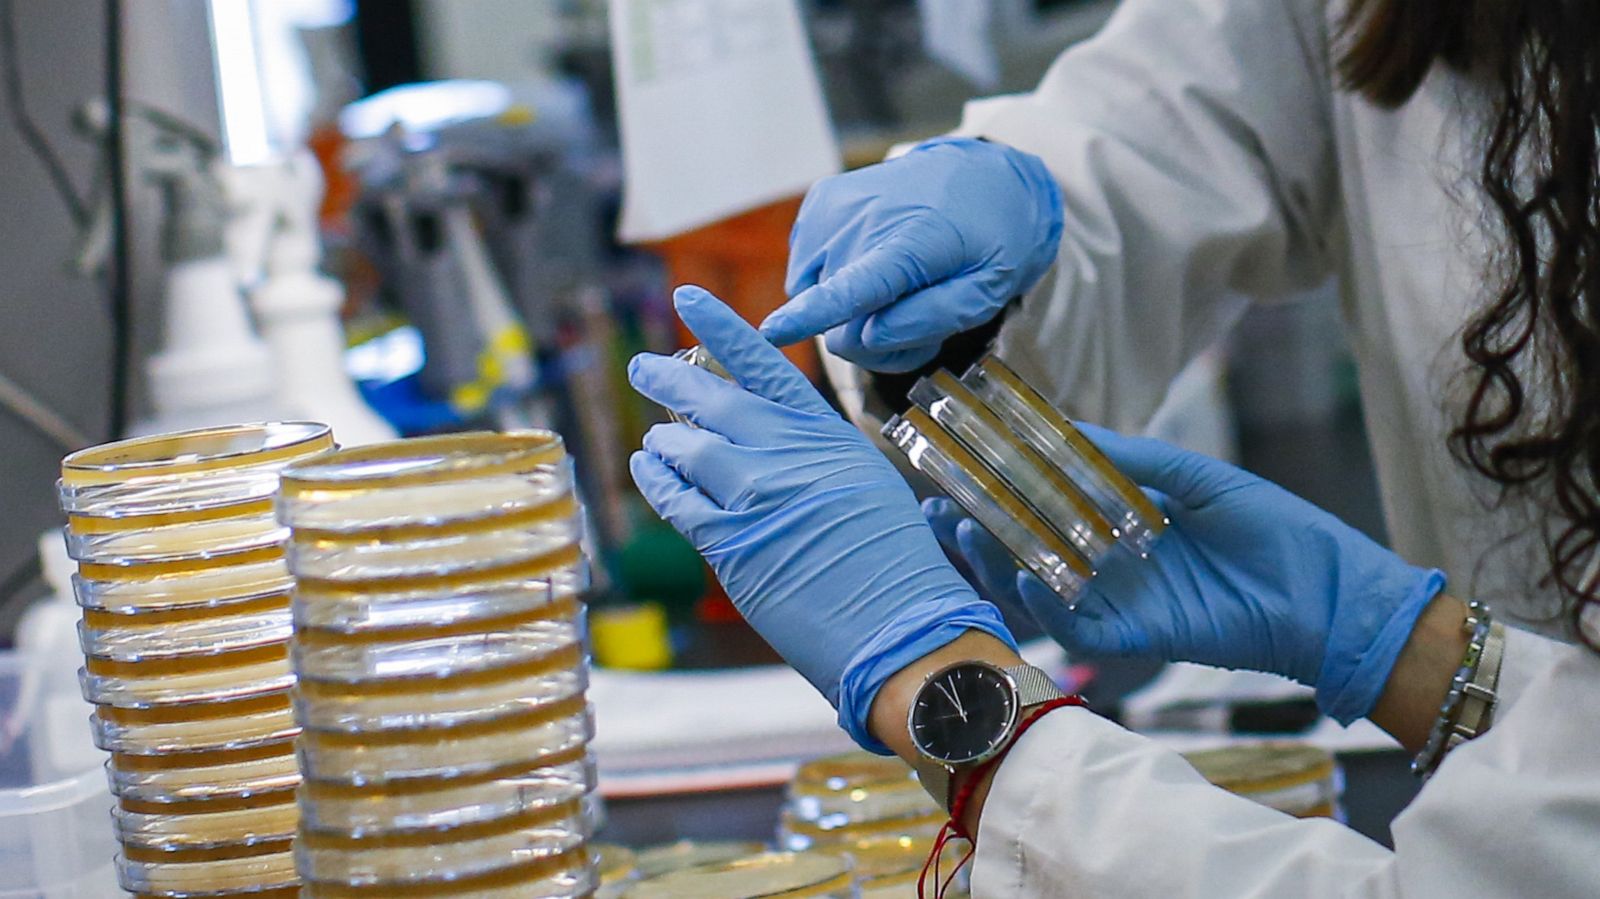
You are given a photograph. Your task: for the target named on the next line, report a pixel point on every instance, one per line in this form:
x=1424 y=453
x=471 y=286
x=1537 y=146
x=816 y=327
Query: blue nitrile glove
x=892 y=259
x=815 y=536
x=1248 y=576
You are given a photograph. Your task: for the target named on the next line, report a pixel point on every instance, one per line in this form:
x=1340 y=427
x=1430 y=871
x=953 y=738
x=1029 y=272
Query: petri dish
x=654 y=861
x=617 y=867
x=226 y=776
x=127 y=591
x=230 y=630
x=239 y=676
x=187 y=474
x=1295 y=778
x=264 y=719
x=549 y=732
x=1052 y=435
x=699 y=357
x=1046 y=490
x=464 y=477
x=790 y=875
x=856 y=786
x=464 y=851
x=382 y=609
x=566 y=875
x=446 y=802
x=548 y=637
x=994 y=504
x=211 y=872
x=552 y=679
x=891 y=866
x=798 y=835
x=186 y=829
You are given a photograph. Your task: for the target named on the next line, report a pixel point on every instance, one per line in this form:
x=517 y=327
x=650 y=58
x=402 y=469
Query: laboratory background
x=453 y=222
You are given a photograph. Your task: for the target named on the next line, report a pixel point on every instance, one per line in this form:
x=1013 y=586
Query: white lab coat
x=1082 y=807
x=1207 y=161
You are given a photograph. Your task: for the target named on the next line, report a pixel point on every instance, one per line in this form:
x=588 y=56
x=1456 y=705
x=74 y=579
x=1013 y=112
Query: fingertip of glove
x=688 y=295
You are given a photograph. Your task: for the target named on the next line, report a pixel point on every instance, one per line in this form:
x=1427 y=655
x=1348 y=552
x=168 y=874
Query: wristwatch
x=967 y=713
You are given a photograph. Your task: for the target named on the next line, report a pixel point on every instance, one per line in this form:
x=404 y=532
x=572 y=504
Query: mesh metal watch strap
x=1033 y=687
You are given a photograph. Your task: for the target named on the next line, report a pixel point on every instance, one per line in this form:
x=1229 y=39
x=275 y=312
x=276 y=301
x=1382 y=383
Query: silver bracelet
x=1468 y=708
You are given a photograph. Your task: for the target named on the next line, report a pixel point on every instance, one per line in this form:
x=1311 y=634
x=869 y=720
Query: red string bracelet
x=958 y=806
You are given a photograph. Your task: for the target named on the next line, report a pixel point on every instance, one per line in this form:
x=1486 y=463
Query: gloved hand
x=892 y=259
x=813 y=533
x=1248 y=576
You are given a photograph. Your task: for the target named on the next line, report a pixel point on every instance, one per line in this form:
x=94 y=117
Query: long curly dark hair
x=1531 y=418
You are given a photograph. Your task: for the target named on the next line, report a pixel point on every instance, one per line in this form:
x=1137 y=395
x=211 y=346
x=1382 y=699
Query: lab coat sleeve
x=1081 y=807
x=1191 y=140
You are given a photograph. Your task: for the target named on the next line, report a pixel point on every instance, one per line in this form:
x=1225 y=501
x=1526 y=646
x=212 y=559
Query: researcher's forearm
x=892 y=705
x=1421 y=677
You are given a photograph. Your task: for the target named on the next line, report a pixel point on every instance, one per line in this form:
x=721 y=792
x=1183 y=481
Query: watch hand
x=954 y=698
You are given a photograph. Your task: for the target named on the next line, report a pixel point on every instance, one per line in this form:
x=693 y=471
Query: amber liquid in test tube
x=185 y=598
x=441 y=672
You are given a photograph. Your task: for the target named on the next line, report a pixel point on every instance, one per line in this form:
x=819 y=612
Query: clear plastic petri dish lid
x=448 y=704
x=406 y=511
x=1031 y=477
x=193 y=778
x=185 y=474
x=219 y=876
x=425 y=483
x=790 y=875
x=401 y=857
x=566 y=875
x=446 y=802
x=994 y=504
x=429 y=663
x=372 y=611
x=555 y=731
x=253 y=725
x=133 y=591
x=228 y=677
x=131 y=639
x=232 y=828
x=1052 y=435
x=177 y=542
x=457 y=555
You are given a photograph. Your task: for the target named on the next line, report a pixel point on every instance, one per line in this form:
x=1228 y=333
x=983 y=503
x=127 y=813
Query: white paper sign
x=719 y=107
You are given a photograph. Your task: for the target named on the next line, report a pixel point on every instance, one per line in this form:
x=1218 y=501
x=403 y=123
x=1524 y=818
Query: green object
x=658 y=564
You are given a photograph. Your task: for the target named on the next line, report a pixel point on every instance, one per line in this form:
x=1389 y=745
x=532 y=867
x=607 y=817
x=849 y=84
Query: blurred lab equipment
x=212 y=368
x=273 y=239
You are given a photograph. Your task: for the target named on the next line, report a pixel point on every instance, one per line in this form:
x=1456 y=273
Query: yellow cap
x=632 y=637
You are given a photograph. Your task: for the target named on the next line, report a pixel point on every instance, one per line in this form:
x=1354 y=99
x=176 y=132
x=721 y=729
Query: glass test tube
x=438 y=630
x=1045 y=489
x=185 y=631
x=1027 y=413
x=994 y=504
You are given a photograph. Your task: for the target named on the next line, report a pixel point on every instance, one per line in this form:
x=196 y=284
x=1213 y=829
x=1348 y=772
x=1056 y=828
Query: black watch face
x=963 y=713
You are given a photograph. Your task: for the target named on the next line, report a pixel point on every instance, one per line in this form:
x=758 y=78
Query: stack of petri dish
x=891 y=867
x=185 y=632
x=1295 y=778
x=438 y=644
x=994 y=445
x=772 y=875
x=841 y=799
